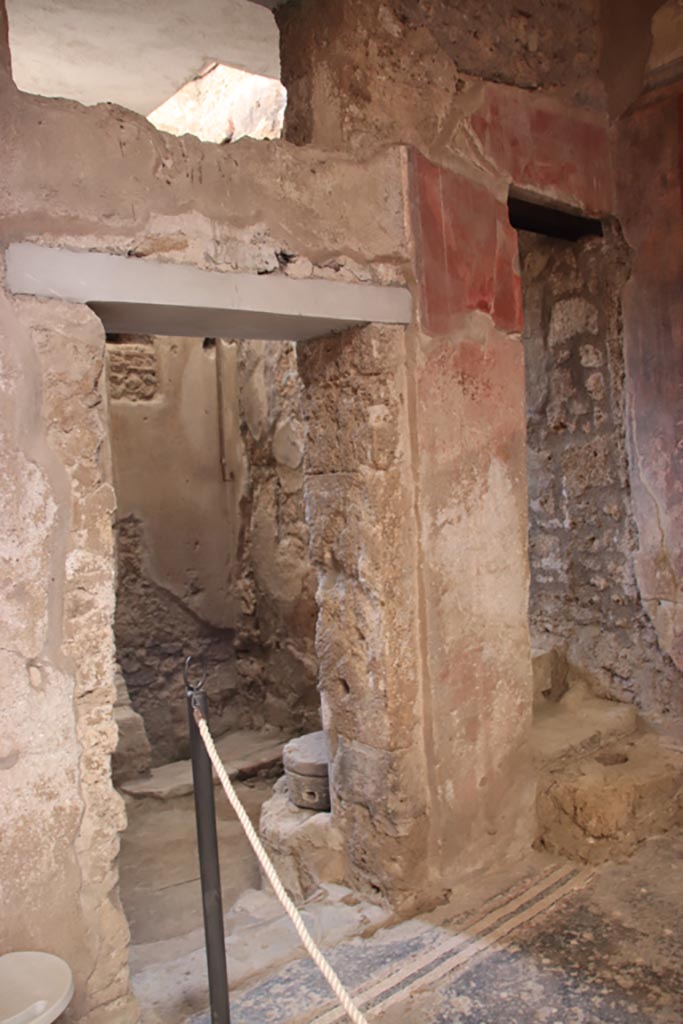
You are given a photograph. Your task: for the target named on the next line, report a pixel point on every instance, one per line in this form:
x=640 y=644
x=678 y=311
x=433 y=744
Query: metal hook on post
x=207 y=842
x=193 y=690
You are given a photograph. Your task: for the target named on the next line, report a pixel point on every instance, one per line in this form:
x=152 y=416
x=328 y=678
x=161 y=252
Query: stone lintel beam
x=135 y=296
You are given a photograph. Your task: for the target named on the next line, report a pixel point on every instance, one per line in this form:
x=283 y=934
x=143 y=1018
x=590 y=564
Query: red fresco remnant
x=650 y=178
x=546 y=149
x=680 y=146
x=466 y=250
x=479 y=387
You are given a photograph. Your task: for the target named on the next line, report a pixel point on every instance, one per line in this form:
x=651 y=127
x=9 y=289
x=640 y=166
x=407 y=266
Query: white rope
x=321 y=963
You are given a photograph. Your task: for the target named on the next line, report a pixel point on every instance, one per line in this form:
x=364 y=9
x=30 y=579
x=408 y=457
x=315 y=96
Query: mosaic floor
x=563 y=945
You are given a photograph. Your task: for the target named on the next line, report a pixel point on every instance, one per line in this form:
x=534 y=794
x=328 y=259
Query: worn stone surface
x=133 y=754
x=414 y=480
x=577 y=723
x=550 y=670
x=311 y=792
x=278 y=582
x=260 y=939
x=143 y=192
x=369 y=70
x=602 y=946
x=244 y=754
x=160 y=886
x=307 y=755
x=603 y=805
x=306 y=847
x=60 y=814
x=583 y=542
x=649 y=189
x=212 y=542
x=358 y=490
x=306 y=764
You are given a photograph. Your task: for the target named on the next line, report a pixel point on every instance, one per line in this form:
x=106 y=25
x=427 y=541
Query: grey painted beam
x=141 y=296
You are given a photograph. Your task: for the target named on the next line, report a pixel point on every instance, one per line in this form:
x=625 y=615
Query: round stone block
x=305 y=761
x=310 y=792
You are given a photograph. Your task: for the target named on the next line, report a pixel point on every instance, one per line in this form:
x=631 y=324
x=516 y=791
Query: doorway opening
x=212 y=559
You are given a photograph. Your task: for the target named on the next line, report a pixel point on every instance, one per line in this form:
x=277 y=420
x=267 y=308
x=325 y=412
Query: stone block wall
x=277 y=582
x=60 y=813
x=359 y=498
x=582 y=534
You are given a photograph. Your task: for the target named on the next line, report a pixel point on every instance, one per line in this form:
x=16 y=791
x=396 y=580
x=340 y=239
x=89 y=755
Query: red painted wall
x=650 y=205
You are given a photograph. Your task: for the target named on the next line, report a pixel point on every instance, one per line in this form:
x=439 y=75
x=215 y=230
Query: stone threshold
x=245 y=753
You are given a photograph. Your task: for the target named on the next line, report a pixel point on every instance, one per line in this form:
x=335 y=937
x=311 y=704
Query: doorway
x=212 y=561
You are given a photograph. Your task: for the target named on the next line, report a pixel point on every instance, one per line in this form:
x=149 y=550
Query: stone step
x=244 y=753
x=578 y=723
x=601 y=805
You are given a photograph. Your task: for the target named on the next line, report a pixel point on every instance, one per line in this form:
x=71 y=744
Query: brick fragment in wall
x=582 y=534
x=132 y=371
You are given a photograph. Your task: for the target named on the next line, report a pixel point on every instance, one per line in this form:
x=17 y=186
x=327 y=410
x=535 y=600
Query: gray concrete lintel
x=142 y=296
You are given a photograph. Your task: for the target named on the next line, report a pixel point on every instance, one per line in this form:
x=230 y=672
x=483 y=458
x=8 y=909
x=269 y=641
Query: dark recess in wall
x=547 y=220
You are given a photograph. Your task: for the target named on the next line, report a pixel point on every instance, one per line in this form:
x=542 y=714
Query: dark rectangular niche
x=548 y=220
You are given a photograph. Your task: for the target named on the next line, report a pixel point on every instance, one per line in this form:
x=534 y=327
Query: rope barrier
x=309 y=945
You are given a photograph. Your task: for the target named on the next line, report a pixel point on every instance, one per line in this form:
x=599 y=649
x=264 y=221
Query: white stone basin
x=34 y=988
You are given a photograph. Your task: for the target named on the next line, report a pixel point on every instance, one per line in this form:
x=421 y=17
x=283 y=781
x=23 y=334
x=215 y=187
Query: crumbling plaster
x=583 y=537
x=60 y=813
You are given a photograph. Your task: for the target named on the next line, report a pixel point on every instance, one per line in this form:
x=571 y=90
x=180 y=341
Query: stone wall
x=60 y=814
x=357 y=73
x=359 y=493
x=583 y=539
x=278 y=583
x=363 y=75
x=416 y=479
x=212 y=542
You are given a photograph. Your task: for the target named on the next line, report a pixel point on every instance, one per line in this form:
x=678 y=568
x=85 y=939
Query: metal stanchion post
x=207 y=842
